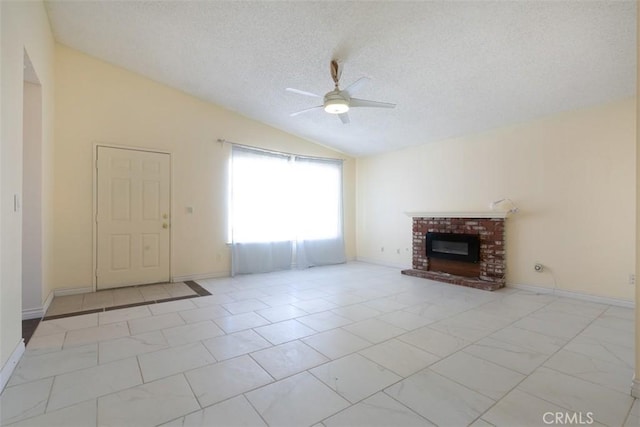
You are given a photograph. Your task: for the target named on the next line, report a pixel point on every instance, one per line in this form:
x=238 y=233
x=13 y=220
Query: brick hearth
x=492 y=250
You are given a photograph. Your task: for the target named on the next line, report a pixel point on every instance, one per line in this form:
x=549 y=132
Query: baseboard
x=203 y=276
x=38 y=312
x=382 y=263
x=72 y=291
x=635 y=388
x=575 y=295
x=33 y=313
x=10 y=366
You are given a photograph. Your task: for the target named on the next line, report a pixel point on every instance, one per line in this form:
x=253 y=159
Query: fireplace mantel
x=485 y=214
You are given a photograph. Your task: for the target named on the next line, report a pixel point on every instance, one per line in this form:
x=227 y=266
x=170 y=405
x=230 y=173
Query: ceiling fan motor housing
x=335 y=102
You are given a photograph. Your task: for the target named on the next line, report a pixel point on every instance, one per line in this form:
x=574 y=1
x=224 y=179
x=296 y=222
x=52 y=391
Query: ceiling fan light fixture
x=336 y=106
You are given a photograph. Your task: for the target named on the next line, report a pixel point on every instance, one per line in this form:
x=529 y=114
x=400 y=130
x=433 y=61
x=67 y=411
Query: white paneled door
x=133 y=200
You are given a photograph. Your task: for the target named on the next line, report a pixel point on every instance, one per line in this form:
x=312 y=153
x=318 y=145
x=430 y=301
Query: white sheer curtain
x=318 y=207
x=284 y=210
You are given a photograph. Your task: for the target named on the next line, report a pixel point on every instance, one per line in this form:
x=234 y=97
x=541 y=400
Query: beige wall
x=571 y=176
x=25 y=26
x=99 y=103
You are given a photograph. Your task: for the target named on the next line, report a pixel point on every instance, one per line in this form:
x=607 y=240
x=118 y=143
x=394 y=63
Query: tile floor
x=118 y=297
x=348 y=345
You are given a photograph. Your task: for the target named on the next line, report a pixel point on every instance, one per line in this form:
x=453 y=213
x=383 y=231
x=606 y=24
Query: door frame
x=94 y=217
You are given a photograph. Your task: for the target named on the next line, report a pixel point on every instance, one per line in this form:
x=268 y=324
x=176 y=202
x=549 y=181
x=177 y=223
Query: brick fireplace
x=487 y=273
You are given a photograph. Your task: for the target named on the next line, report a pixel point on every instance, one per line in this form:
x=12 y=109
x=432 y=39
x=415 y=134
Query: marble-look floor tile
x=154 y=323
x=300 y=400
x=471 y=325
x=281 y=312
x=233 y=412
x=439 y=399
x=148 y=404
x=244 y=306
x=240 y=322
x=478 y=374
x=205 y=313
x=83 y=414
x=122 y=348
x=530 y=340
x=229 y=346
x=49 y=364
x=24 y=400
x=405 y=320
x=99 y=299
x=434 y=342
x=95 y=334
x=124 y=296
x=163 y=363
x=215 y=383
x=610 y=375
x=324 y=321
x=336 y=343
x=508 y=355
x=45 y=343
x=522 y=409
x=355 y=377
x=356 y=312
x=56 y=326
x=633 y=419
x=608 y=407
x=287 y=359
x=378 y=410
x=551 y=326
x=399 y=357
x=314 y=305
x=281 y=332
x=77 y=386
x=154 y=292
x=172 y=306
x=192 y=332
x=210 y=300
x=374 y=330
x=619 y=337
x=123 y=314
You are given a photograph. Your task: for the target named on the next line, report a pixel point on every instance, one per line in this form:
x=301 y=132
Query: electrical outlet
x=382 y=249
x=632 y=279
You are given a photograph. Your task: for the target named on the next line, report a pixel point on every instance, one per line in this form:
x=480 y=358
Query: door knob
x=165 y=225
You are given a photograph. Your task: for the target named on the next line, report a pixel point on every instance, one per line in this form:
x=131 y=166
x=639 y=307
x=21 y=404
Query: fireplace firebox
x=454 y=246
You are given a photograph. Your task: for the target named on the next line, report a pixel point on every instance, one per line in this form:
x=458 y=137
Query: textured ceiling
x=452 y=68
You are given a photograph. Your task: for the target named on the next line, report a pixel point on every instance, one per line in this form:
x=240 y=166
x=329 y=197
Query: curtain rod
x=222 y=141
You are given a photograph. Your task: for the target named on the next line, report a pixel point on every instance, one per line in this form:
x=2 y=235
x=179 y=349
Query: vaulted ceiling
x=452 y=68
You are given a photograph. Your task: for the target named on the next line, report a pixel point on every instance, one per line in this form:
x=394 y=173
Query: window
x=281 y=199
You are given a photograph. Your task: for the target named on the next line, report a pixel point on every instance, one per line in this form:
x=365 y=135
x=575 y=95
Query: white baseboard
x=72 y=291
x=635 y=388
x=576 y=295
x=10 y=366
x=33 y=313
x=202 y=276
x=382 y=263
x=38 y=312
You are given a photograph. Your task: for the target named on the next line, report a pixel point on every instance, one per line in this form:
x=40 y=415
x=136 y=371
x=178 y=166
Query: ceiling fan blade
x=344 y=117
x=306 y=110
x=302 y=92
x=355 y=102
x=356 y=86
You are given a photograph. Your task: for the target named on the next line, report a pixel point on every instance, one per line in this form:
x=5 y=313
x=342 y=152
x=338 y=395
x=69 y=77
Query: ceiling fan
x=340 y=101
